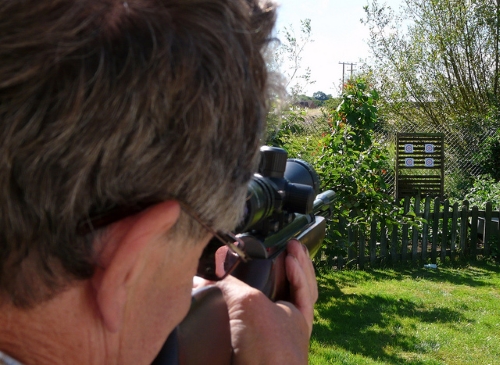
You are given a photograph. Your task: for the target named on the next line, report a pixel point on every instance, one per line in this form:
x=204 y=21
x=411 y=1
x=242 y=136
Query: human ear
x=122 y=262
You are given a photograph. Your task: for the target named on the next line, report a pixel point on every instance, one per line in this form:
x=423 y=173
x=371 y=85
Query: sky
x=338 y=36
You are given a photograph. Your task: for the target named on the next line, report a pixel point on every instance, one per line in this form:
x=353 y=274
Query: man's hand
x=263 y=332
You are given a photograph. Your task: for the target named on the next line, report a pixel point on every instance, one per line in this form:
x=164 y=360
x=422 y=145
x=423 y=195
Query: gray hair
x=109 y=104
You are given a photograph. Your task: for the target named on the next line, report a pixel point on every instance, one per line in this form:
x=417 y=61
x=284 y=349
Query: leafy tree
x=489 y=156
x=284 y=118
x=352 y=164
x=288 y=57
x=320 y=95
x=436 y=61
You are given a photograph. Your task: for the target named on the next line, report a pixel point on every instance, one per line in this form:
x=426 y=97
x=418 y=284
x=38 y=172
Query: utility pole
x=343 y=71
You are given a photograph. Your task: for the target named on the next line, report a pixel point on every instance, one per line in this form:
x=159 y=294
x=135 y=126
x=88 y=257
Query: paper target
x=410 y=162
x=429 y=162
x=408 y=148
x=429 y=148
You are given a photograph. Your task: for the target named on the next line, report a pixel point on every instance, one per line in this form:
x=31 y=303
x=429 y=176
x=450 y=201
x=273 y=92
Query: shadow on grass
x=370 y=324
x=367 y=325
x=475 y=274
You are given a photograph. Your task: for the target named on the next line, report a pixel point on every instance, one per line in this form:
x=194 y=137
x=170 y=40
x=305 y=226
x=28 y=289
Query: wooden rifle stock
x=203 y=337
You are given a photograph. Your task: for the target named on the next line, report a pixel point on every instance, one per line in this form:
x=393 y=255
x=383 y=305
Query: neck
x=64 y=330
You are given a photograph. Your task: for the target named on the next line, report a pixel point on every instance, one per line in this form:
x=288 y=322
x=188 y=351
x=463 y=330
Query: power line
x=343 y=71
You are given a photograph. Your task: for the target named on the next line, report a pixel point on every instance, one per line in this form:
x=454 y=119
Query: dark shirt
x=7 y=360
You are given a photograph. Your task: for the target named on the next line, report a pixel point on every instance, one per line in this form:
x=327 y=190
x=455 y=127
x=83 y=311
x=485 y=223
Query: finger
x=299 y=251
x=234 y=290
x=300 y=290
x=199 y=282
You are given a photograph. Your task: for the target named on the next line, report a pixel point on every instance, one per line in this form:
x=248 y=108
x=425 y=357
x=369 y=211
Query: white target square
x=429 y=162
x=409 y=148
x=429 y=148
x=409 y=162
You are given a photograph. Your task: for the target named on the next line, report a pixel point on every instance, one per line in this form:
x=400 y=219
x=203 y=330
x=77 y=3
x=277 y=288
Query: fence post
x=352 y=247
x=444 y=239
x=487 y=228
x=435 y=227
x=383 y=241
x=425 y=229
x=404 y=231
x=495 y=239
x=352 y=237
x=414 y=237
x=362 y=245
x=473 y=232
x=454 y=228
x=373 y=242
x=343 y=236
x=464 y=222
x=394 y=243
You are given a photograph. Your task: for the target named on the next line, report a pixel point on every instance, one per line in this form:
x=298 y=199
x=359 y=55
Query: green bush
x=283 y=125
x=488 y=156
x=291 y=128
x=353 y=165
x=485 y=189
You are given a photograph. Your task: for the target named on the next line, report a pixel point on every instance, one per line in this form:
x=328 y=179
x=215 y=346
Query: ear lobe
x=122 y=259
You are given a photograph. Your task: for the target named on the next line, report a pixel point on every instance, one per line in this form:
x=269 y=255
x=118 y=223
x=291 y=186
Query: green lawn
x=421 y=316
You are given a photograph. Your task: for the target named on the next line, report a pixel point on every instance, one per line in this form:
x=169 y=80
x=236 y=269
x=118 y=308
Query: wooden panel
x=419 y=164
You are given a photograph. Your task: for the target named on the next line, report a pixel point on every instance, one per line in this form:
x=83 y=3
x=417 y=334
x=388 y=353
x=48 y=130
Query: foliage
x=332 y=103
x=489 y=154
x=457 y=184
x=288 y=57
x=299 y=134
x=286 y=123
x=352 y=164
x=320 y=95
x=284 y=119
x=485 y=189
x=436 y=62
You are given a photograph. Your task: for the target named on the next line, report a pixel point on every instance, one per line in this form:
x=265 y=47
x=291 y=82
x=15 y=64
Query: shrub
x=297 y=132
x=488 y=156
x=485 y=189
x=353 y=165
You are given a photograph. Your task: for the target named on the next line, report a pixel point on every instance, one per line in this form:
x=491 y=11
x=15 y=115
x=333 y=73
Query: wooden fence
x=441 y=232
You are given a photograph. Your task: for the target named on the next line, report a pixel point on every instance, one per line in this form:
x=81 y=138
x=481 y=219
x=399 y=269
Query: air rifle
x=282 y=203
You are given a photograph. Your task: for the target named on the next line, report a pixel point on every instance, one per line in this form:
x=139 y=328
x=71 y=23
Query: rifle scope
x=281 y=188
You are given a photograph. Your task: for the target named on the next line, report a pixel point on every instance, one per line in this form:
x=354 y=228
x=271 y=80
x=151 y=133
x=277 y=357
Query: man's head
x=115 y=104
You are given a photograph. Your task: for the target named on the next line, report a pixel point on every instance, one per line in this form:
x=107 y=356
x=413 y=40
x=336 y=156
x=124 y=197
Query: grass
x=446 y=316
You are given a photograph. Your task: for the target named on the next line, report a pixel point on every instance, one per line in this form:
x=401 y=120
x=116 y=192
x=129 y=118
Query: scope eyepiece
x=282 y=187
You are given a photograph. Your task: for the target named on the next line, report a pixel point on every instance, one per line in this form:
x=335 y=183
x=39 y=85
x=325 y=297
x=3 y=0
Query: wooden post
x=373 y=242
x=487 y=228
x=404 y=233
x=435 y=228
x=444 y=239
x=383 y=241
x=473 y=232
x=362 y=245
x=414 y=237
x=454 y=228
x=394 y=243
x=351 y=249
x=464 y=222
x=425 y=229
